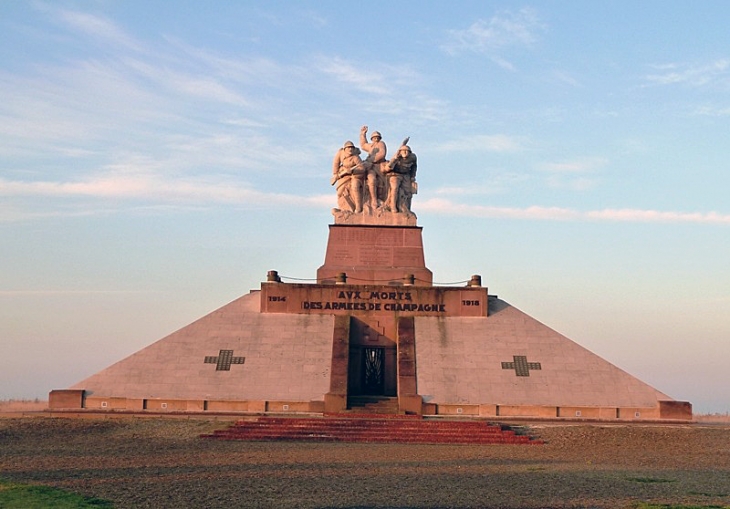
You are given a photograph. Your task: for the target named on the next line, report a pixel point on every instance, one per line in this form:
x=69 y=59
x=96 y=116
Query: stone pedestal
x=368 y=254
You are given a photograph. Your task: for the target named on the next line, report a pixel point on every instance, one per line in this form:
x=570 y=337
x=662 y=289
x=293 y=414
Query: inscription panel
x=373 y=299
x=361 y=235
x=382 y=236
x=343 y=255
x=371 y=255
x=408 y=257
x=389 y=238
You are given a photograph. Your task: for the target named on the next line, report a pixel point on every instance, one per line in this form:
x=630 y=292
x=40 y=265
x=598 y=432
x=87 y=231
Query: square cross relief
x=521 y=366
x=223 y=360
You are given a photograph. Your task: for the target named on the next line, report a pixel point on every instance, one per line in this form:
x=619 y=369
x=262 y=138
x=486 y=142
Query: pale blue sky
x=157 y=158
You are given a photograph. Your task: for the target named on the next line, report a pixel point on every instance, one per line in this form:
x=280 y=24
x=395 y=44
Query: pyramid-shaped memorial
x=373 y=327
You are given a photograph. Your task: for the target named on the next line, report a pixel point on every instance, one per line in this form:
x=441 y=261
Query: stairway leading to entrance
x=370 y=428
x=372 y=405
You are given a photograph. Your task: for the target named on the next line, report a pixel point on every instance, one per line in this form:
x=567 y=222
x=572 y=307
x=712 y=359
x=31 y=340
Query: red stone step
x=370 y=428
x=372 y=405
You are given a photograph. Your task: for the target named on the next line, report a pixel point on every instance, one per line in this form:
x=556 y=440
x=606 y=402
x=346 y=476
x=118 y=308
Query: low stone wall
x=76 y=400
x=665 y=410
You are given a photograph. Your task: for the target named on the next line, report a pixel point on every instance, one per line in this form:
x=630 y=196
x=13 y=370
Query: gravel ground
x=161 y=463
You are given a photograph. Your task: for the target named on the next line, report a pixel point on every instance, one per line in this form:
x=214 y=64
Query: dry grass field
x=161 y=463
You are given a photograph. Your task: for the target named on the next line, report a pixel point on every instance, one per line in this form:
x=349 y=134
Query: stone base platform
x=76 y=400
x=375 y=254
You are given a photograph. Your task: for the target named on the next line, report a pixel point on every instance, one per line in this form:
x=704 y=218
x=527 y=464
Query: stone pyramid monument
x=373 y=328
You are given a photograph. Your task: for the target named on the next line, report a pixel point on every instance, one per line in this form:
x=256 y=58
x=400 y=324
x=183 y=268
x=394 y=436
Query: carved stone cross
x=521 y=366
x=223 y=360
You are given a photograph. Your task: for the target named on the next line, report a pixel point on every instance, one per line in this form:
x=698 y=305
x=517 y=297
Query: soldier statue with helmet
x=348 y=173
x=377 y=151
x=401 y=174
x=374 y=187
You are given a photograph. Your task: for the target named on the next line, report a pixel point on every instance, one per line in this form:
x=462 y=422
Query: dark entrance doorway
x=373 y=371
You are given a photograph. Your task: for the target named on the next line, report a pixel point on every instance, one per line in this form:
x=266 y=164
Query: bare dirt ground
x=161 y=463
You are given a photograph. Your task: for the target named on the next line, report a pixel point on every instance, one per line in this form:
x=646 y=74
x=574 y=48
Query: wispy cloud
x=481 y=143
x=375 y=87
x=475 y=190
x=355 y=76
x=185 y=109
x=53 y=293
x=712 y=111
x=314 y=19
x=199 y=85
x=690 y=74
x=496 y=182
x=152 y=188
x=492 y=37
x=658 y=216
x=98 y=27
x=580 y=183
x=154 y=191
x=575 y=175
x=242 y=70
x=565 y=78
x=161 y=98
x=448 y=207
x=585 y=165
